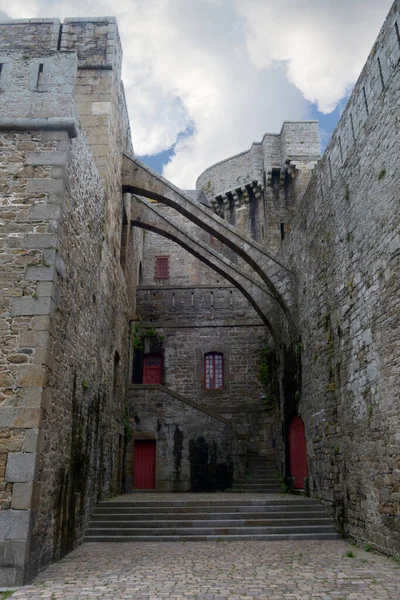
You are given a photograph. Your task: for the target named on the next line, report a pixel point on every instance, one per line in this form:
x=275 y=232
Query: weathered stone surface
x=25 y=496
x=14 y=525
x=31 y=306
x=21 y=467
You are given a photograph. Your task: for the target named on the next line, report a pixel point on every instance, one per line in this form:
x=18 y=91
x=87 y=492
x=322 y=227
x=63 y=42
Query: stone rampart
x=67 y=292
x=345 y=248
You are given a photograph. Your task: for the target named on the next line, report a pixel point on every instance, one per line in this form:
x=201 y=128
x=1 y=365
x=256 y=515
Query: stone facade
x=283 y=264
x=66 y=300
x=345 y=248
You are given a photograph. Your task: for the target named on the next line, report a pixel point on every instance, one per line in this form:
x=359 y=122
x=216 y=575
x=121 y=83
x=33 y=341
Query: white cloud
x=324 y=42
x=226 y=70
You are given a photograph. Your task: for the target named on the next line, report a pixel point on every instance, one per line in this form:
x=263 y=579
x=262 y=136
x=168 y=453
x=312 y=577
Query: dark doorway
x=144 y=465
x=298 y=452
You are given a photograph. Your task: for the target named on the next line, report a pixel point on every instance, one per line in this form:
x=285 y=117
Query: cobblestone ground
x=298 y=570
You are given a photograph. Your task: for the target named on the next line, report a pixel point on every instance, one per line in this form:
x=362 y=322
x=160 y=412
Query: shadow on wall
x=206 y=474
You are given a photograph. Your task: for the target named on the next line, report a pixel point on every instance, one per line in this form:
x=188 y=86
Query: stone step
x=108 y=517
x=254 y=490
x=204 y=523
x=151 y=504
x=214 y=538
x=269 y=480
x=210 y=510
x=274 y=483
x=188 y=531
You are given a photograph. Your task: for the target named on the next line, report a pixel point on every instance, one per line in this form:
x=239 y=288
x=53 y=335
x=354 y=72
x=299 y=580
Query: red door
x=152 y=368
x=298 y=452
x=144 y=465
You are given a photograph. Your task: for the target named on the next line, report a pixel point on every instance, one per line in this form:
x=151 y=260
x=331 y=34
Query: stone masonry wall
x=193 y=450
x=67 y=300
x=195 y=311
x=345 y=248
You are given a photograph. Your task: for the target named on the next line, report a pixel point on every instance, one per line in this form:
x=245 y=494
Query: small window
x=214 y=371
x=162 y=267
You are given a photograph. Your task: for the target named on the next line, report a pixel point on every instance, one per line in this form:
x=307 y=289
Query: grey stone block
x=45 y=288
x=11 y=576
x=44 y=212
x=21 y=467
x=46 y=158
x=15 y=553
x=31 y=306
x=32 y=440
x=25 y=496
x=41 y=240
x=41 y=186
x=40 y=273
x=7 y=416
x=14 y=524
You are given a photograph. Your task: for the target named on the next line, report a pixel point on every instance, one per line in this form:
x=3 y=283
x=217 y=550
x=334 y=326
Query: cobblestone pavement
x=299 y=570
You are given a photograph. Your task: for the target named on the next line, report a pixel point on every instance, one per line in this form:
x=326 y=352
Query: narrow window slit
x=212 y=299
x=397 y=33
x=282 y=231
x=59 y=37
x=381 y=74
x=231 y=299
x=1 y=68
x=173 y=299
x=39 y=75
x=352 y=127
x=340 y=148
x=192 y=300
x=365 y=100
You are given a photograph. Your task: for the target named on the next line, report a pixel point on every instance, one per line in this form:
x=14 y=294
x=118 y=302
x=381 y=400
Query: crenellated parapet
x=258 y=190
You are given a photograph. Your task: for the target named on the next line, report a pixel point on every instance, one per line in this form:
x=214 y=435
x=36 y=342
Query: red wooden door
x=144 y=465
x=152 y=368
x=298 y=452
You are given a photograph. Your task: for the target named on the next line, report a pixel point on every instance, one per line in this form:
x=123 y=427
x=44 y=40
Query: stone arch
x=221 y=270
x=139 y=179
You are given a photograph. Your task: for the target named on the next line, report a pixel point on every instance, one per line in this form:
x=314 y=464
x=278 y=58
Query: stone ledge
x=50 y=124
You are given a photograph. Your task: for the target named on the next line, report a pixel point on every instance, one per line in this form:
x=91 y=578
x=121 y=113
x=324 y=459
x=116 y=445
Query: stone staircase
x=221 y=518
x=262 y=478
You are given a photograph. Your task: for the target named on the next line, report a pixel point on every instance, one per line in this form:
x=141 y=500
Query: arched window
x=214 y=371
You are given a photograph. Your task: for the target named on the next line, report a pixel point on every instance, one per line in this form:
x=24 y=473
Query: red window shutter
x=214 y=371
x=162 y=267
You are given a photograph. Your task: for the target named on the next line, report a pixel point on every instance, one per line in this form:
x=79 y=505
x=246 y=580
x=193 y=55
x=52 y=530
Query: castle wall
x=345 y=249
x=67 y=300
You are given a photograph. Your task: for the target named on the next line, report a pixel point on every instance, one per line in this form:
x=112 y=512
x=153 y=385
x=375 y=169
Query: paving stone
x=218 y=571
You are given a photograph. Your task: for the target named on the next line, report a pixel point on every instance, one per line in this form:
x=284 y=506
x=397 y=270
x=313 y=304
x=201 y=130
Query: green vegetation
x=140 y=335
x=381 y=174
x=367 y=548
x=85 y=385
x=350 y=554
x=6 y=594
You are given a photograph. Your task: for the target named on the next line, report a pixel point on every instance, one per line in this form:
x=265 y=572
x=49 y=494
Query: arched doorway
x=298 y=452
x=152 y=369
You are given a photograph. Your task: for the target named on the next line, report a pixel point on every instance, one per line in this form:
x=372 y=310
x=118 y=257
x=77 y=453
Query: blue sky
x=327 y=123
x=206 y=78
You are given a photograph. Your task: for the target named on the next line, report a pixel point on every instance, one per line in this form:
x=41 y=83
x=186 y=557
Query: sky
x=206 y=78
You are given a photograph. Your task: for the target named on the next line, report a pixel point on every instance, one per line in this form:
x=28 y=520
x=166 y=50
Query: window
x=162 y=267
x=214 y=371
